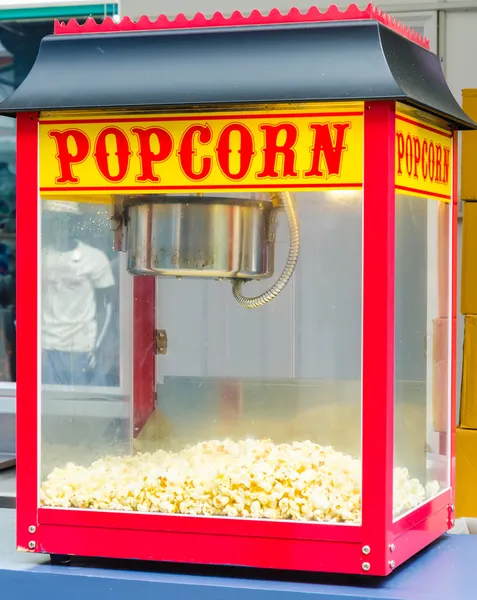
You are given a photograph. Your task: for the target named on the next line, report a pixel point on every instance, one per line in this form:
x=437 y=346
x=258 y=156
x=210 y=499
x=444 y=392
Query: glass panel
x=85 y=394
x=422 y=338
x=258 y=411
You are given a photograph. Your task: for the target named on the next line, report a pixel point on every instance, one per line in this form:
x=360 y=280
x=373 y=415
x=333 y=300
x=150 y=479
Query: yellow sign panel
x=423 y=159
x=146 y=154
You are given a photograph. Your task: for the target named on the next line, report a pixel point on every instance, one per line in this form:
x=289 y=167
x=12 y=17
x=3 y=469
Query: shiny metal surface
x=201 y=237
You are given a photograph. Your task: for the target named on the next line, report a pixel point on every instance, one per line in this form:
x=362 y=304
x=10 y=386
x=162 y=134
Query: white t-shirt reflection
x=70 y=279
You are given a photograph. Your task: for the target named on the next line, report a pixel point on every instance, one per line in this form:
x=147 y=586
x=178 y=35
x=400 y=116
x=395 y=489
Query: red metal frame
x=453 y=423
x=27 y=417
x=378 y=331
x=275 y=17
x=269 y=544
x=144 y=372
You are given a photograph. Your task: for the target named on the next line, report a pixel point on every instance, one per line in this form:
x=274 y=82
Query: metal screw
x=32 y=529
x=452 y=507
x=161 y=335
x=392 y=547
x=366 y=566
x=366 y=549
x=32 y=545
x=392 y=564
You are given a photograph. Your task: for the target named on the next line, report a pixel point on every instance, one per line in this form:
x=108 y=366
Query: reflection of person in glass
x=76 y=280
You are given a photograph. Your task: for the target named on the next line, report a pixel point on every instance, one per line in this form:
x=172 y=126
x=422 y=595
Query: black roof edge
x=326 y=61
x=418 y=72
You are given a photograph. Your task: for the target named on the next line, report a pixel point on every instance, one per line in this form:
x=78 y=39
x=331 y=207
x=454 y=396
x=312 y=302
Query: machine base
x=444 y=570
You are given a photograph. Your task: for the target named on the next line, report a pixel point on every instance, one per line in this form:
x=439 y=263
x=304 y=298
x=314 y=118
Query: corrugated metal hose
x=286 y=201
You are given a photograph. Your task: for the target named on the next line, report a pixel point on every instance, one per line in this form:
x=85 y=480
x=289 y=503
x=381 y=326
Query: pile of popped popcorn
x=250 y=478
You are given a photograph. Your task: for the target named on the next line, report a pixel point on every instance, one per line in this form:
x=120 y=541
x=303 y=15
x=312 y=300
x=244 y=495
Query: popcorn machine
x=236 y=302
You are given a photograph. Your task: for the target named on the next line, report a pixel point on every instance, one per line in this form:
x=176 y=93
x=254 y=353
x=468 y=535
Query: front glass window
x=257 y=412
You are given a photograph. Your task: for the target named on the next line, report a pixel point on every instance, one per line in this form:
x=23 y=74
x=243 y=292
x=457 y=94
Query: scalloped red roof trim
x=294 y=15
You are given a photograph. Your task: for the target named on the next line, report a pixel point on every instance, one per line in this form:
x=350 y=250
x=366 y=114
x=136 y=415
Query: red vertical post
x=378 y=332
x=144 y=374
x=27 y=331
x=453 y=408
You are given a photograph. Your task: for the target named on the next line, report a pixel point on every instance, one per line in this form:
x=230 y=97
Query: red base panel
x=287 y=530
x=264 y=553
x=213 y=541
